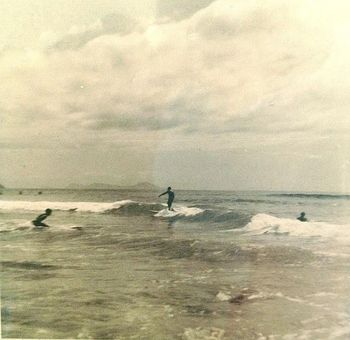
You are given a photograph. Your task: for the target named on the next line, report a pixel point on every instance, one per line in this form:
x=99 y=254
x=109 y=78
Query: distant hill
x=103 y=186
x=144 y=186
x=2 y=187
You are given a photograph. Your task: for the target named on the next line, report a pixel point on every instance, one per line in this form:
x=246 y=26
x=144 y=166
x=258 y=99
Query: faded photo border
x=171 y=167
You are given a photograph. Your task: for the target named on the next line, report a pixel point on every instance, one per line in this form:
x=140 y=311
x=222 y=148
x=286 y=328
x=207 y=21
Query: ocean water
x=224 y=265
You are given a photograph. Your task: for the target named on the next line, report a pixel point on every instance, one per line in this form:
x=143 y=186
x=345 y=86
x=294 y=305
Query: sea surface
x=224 y=265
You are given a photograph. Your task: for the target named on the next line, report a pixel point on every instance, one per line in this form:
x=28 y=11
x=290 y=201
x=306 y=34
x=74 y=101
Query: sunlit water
x=226 y=265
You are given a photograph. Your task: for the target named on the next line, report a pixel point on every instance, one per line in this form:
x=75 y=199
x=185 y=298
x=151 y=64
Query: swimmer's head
x=48 y=211
x=169 y=188
x=302 y=214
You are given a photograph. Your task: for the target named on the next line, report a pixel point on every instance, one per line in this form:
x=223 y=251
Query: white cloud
x=237 y=68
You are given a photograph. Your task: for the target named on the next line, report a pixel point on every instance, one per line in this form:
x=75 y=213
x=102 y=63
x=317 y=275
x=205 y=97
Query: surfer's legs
x=170 y=202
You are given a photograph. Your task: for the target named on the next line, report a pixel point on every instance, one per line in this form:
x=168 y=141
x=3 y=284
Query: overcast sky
x=225 y=94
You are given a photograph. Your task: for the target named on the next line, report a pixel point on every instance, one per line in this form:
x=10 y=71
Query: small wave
x=267 y=224
x=218 y=218
x=14 y=225
x=28 y=265
x=317 y=196
x=247 y=200
x=64 y=206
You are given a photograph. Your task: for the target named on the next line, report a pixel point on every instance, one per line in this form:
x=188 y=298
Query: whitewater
x=222 y=265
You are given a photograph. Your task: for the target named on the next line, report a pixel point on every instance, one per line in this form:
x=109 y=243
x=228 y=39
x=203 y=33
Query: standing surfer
x=171 y=197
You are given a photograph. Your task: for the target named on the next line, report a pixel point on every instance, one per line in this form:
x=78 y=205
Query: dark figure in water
x=171 y=197
x=38 y=222
x=302 y=217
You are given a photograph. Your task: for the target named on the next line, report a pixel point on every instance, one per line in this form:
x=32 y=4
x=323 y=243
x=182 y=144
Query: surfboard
x=167 y=213
x=157 y=211
x=179 y=211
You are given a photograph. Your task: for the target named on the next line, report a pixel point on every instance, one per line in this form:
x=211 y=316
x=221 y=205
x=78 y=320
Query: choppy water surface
x=225 y=265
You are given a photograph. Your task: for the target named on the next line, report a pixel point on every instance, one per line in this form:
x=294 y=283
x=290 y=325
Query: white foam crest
x=179 y=211
x=78 y=206
x=267 y=224
x=223 y=296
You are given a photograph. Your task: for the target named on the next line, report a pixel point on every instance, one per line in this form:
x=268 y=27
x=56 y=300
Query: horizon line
x=128 y=187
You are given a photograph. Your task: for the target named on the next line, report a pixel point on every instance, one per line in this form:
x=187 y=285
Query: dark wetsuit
x=38 y=221
x=171 y=197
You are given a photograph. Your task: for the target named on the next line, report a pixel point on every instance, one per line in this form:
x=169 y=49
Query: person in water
x=302 y=217
x=38 y=222
x=171 y=197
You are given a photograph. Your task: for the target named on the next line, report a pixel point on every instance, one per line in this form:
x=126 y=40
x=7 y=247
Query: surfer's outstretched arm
x=163 y=194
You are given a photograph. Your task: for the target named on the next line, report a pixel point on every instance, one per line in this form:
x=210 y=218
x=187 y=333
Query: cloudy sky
x=225 y=94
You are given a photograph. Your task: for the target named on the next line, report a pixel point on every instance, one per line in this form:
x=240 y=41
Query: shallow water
x=128 y=274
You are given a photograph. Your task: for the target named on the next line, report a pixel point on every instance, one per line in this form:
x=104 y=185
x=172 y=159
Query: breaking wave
x=97 y=207
x=314 y=196
x=266 y=224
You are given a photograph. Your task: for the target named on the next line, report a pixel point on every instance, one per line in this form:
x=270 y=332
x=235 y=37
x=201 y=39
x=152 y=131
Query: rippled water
x=238 y=267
